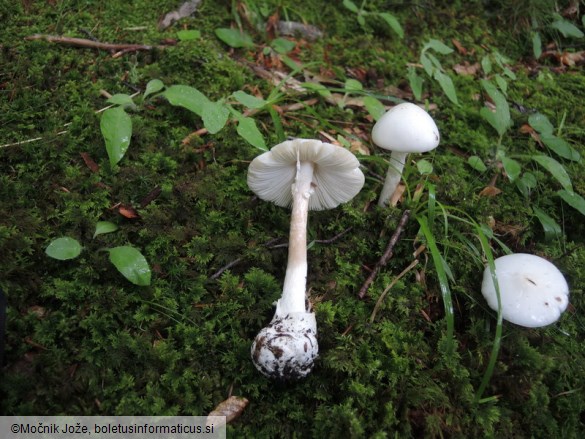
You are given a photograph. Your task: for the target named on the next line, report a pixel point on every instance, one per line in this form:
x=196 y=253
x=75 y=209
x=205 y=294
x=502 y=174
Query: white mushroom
x=306 y=174
x=533 y=292
x=404 y=129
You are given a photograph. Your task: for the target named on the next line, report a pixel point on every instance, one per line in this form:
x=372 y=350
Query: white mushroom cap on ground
x=404 y=129
x=336 y=175
x=533 y=292
x=305 y=174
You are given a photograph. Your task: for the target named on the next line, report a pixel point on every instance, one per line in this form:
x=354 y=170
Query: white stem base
x=397 y=161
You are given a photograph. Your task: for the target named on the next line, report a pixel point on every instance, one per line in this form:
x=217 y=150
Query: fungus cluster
x=307 y=175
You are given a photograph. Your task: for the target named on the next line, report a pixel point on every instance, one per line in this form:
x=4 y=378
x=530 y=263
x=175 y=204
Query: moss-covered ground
x=82 y=340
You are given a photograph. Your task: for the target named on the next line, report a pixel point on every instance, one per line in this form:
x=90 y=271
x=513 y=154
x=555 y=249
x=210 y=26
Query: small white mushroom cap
x=336 y=176
x=287 y=348
x=533 y=291
x=406 y=128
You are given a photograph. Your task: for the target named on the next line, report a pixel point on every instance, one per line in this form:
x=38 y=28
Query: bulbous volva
x=287 y=348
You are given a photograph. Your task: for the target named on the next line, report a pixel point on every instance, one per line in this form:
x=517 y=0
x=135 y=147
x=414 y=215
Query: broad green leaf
x=435 y=61
x=560 y=147
x=486 y=65
x=568 y=29
x=234 y=38
x=123 y=100
x=374 y=107
x=188 y=35
x=393 y=23
x=116 y=128
x=573 y=199
x=447 y=85
x=351 y=6
x=282 y=45
x=526 y=183
x=500 y=120
x=186 y=97
x=551 y=229
x=502 y=84
x=131 y=263
x=426 y=63
x=540 y=123
x=416 y=83
x=360 y=19
x=319 y=88
x=214 y=115
x=153 y=86
x=248 y=130
x=424 y=167
x=353 y=85
x=477 y=163
x=104 y=227
x=556 y=169
x=63 y=248
x=509 y=73
x=248 y=100
x=536 y=45
x=439 y=47
x=512 y=168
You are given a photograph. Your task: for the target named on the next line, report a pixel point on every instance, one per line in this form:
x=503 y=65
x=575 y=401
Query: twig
x=89 y=44
x=396 y=279
x=332 y=240
x=387 y=254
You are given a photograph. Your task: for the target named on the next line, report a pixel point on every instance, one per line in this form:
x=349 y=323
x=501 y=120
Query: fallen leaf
x=572 y=58
x=127 y=211
x=231 y=408
x=185 y=10
x=397 y=195
x=467 y=69
x=93 y=166
x=462 y=50
x=490 y=191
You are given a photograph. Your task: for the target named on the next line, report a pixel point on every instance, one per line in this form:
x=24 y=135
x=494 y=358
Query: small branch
x=90 y=44
x=387 y=254
x=389 y=287
x=332 y=240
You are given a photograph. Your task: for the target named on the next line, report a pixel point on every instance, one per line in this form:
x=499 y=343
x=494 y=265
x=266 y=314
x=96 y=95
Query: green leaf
x=374 y=107
x=540 y=123
x=282 y=45
x=512 y=168
x=486 y=65
x=104 y=227
x=186 y=97
x=560 y=147
x=351 y=6
x=424 y=167
x=427 y=64
x=439 y=47
x=353 y=85
x=234 y=38
x=214 y=115
x=319 y=88
x=116 y=128
x=447 y=85
x=130 y=262
x=153 y=86
x=556 y=169
x=188 y=35
x=502 y=84
x=248 y=130
x=568 y=29
x=526 y=183
x=551 y=228
x=361 y=20
x=536 y=45
x=500 y=120
x=416 y=83
x=248 y=100
x=63 y=248
x=573 y=199
x=123 y=100
x=477 y=163
x=393 y=23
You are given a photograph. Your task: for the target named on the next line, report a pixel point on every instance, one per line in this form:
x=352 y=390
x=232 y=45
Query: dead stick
x=387 y=254
x=85 y=43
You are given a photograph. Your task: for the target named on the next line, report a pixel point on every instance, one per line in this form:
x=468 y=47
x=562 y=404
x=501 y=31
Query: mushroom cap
x=287 y=348
x=337 y=177
x=406 y=128
x=533 y=291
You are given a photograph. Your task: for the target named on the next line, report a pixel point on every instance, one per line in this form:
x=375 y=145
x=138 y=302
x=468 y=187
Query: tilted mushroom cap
x=337 y=177
x=533 y=291
x=406 y=128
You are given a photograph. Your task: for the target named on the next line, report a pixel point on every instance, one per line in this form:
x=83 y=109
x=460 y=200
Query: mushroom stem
x=295 y=280
x=397 y=161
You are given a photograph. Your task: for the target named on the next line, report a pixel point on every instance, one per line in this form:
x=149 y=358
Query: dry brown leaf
x=359 y=147
x=397 y=195
x=231 y=408
x=462 y=50
x=573 y=58
x=93 y=166
x=467 y=69
x=490 y=191
x=127 y=211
